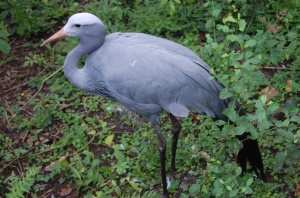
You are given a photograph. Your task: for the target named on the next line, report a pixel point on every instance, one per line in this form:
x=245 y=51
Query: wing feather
x=142 y=71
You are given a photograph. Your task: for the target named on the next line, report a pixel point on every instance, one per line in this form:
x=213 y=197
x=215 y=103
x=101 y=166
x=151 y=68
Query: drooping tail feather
x=251 y=152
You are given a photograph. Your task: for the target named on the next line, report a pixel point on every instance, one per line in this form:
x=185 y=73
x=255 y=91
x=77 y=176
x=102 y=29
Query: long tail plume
x=251 y=152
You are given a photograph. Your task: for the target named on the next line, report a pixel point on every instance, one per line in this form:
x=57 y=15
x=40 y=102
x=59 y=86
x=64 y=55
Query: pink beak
x=58 y=35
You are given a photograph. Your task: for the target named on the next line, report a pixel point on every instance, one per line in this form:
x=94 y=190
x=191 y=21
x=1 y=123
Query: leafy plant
x=4 y=45
x=19 y=185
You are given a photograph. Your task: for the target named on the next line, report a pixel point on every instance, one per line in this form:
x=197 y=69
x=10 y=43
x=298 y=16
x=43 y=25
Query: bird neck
x=71 y=70
x=79 y=77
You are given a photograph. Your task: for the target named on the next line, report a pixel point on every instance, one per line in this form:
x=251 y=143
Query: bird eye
x=77 y=25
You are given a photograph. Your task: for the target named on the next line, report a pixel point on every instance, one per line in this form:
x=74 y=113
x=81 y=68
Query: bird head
x=80 y=25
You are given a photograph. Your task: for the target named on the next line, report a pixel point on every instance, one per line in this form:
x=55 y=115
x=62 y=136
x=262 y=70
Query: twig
x=46 y=193
x=20 y=166
x=16 y=87
x=280 y=68
x=42 y=152
x=23 y=139
x=91 y=140
x=251 y=21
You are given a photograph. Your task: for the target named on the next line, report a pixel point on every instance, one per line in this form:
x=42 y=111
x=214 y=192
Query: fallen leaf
x=44 y=140
x=263 y=91
x=92 y=132
x=108 y=181
x=195 y=120
x=109 y=140
x=178 y=175
x=204 y=154
x=30 y=140
x=288 y=87
x=297 y=191
x=65 y=191
x=48 y=168
x=62 y=106
x=272 y=93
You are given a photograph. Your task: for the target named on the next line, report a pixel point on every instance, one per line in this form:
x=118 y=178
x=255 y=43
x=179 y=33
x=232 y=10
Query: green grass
x=55 y=138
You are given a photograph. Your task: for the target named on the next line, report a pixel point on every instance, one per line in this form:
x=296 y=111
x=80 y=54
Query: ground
x=14 y=79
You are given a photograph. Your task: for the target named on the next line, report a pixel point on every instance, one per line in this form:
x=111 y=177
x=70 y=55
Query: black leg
x=175 y=130
x=162 y=151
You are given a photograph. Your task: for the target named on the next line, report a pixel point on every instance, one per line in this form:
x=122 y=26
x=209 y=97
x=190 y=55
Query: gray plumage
x=147 y=75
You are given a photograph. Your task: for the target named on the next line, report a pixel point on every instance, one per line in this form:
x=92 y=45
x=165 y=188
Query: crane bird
x=148 y=74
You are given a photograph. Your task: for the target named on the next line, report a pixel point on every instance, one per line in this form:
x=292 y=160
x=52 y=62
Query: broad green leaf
x=119 y=155
x=249 y=181
x=242 y=25
x=278 y=139
x=233 y=193
x=278 y=166
x=292 y=47
x=238 y=171
x=229 y=188
x=275 y=56
x=294 y=151
x=225 y=93
x=261 y=117
x=162 y=3
x=248 y=190
x=263 y=99
x=134 y=185
x=230 y=112
x=232 y=37
x=118 y=190
x=230 y=19
x=271 y=43
x=237 y=56
x=4 y=47
x=3 y=33
x=172 y=8
x=250 y=43
x=76 y=173
x=295 y=119
x=92 y=132
x=221 y=181
x=220 y=122
x=194 y=189
x=204 y=189
x=241 y=129
x=292 y=35
x=280 y=157
x=286 y=122
x=224 y=28
x=113 y=182
x=216 y=12
x=254 y=60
